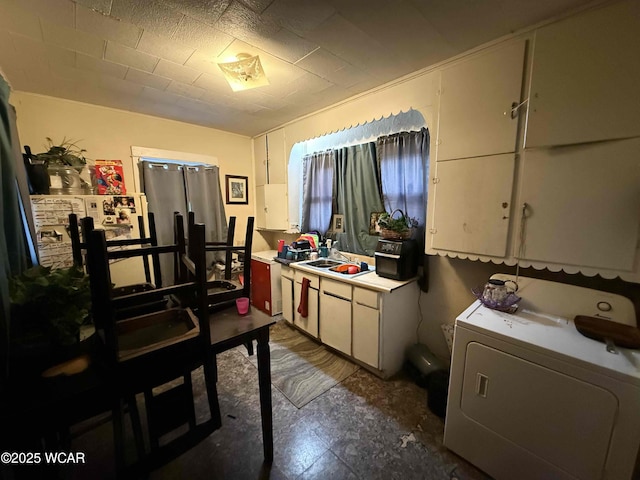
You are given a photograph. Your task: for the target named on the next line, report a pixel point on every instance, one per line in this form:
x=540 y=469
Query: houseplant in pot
x=48 y=307
x=396 y=225
x=65 y=162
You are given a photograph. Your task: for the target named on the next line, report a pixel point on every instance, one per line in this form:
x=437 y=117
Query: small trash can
x=437 y=391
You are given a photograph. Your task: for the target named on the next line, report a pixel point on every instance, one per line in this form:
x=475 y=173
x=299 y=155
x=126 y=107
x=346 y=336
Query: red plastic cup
x=242 y=305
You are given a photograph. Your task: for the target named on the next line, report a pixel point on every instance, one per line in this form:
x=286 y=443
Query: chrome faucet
x=335 y=253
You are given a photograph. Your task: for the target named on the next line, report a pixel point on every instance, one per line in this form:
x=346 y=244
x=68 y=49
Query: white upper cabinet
x=585 y=83
x=476 y=98
x=271 y=206
x=260 y=158
x=276 y=157
x=471 y=205
x=583 y=203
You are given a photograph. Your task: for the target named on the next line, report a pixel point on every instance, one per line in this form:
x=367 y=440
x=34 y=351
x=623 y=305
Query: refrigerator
x=116 y=214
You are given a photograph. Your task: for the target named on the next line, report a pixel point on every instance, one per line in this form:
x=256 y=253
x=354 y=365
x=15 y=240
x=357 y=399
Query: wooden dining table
x=230 y=329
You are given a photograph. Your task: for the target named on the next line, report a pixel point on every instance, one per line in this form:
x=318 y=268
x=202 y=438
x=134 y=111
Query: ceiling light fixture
x=244 y=72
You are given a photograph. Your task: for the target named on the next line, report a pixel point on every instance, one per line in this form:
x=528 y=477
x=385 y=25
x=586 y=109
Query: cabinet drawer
x=335 y=287
x=365 y=297
x=315 y=280
x=287 y=272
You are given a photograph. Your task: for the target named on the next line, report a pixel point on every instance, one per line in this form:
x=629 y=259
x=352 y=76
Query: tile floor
x=363 y=428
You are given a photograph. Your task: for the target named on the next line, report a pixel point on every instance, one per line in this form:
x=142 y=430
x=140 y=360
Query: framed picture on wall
x=338 y=224
x=237 y=190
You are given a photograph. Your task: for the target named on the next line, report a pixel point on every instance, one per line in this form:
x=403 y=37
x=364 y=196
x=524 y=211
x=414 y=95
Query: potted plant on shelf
x=67 y=154
x=396 y=227
x=65 y=162
x=48 y=307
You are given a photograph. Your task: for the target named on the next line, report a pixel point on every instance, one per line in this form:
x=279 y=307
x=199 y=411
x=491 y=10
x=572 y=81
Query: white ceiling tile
x=384 y=22
x=72 y=39
x=15 y=18
x=148 y=14
x=321 y=61
x=102 y=6
x=109 y=28
x=157 y=96
x=345 y=40
x=203 y=37
x=164 y=47
x=185 y=90
x=86 y=62
x=147 y=79
x=299 y=16
x=287 y=46
x=462 y=23
x=130 y=57
x=60 y=12
x=208 y=11
x=245 y=24
x=177 y=72
x=203 y=63
x=257 y=6
x=32 y=50
x=326 y=65
x=212 y=82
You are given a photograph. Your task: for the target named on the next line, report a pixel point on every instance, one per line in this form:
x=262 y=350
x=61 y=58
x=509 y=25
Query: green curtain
x=13 y=254
x=358 y=194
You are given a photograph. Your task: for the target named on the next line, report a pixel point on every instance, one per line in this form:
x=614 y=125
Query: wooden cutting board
x=599 y=329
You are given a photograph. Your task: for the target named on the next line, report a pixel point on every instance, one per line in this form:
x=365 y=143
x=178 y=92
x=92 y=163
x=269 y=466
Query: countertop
x=370 y=280
x=264 y=256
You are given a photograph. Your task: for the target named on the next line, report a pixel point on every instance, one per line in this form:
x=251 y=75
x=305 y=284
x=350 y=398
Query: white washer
x=531 y=398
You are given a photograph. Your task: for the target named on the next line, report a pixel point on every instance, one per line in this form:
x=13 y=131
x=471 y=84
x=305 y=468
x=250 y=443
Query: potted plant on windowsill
x=396 y=227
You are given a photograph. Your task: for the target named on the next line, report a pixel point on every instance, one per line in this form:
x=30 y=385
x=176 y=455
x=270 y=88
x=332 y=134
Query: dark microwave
x=397 y=259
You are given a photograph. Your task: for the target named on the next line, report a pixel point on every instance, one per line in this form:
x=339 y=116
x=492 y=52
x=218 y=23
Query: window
x=359 y=180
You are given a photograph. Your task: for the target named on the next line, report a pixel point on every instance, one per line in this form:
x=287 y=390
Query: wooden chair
x=222 y=292
x=137 y=363
x=78 y=244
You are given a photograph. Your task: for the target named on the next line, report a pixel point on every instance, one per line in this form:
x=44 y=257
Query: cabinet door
x=582 y=204
x=335 y=322
x=366 y=333
x=271 y=207
x=471 y=205
x=476 y=98
x=287 y=299
x=260 y=159
x=585 y=77
x=277 y=158
x=309 y=323
x=261 y=286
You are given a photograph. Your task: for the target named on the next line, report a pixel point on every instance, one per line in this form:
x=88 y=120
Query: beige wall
x=108 y=133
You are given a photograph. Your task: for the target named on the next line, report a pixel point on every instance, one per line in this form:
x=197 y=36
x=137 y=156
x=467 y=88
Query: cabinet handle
x=329 y=294
x=482 y=385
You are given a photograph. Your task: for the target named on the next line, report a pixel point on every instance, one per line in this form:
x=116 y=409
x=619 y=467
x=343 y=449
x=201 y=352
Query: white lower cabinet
x=366 y=326
x=309 y=323
x=372 y=327
x=335 y=314
x=287 y=282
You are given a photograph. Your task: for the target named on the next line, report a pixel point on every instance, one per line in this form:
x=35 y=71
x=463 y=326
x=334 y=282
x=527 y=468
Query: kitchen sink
x=324 y=263
x=343 y=269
